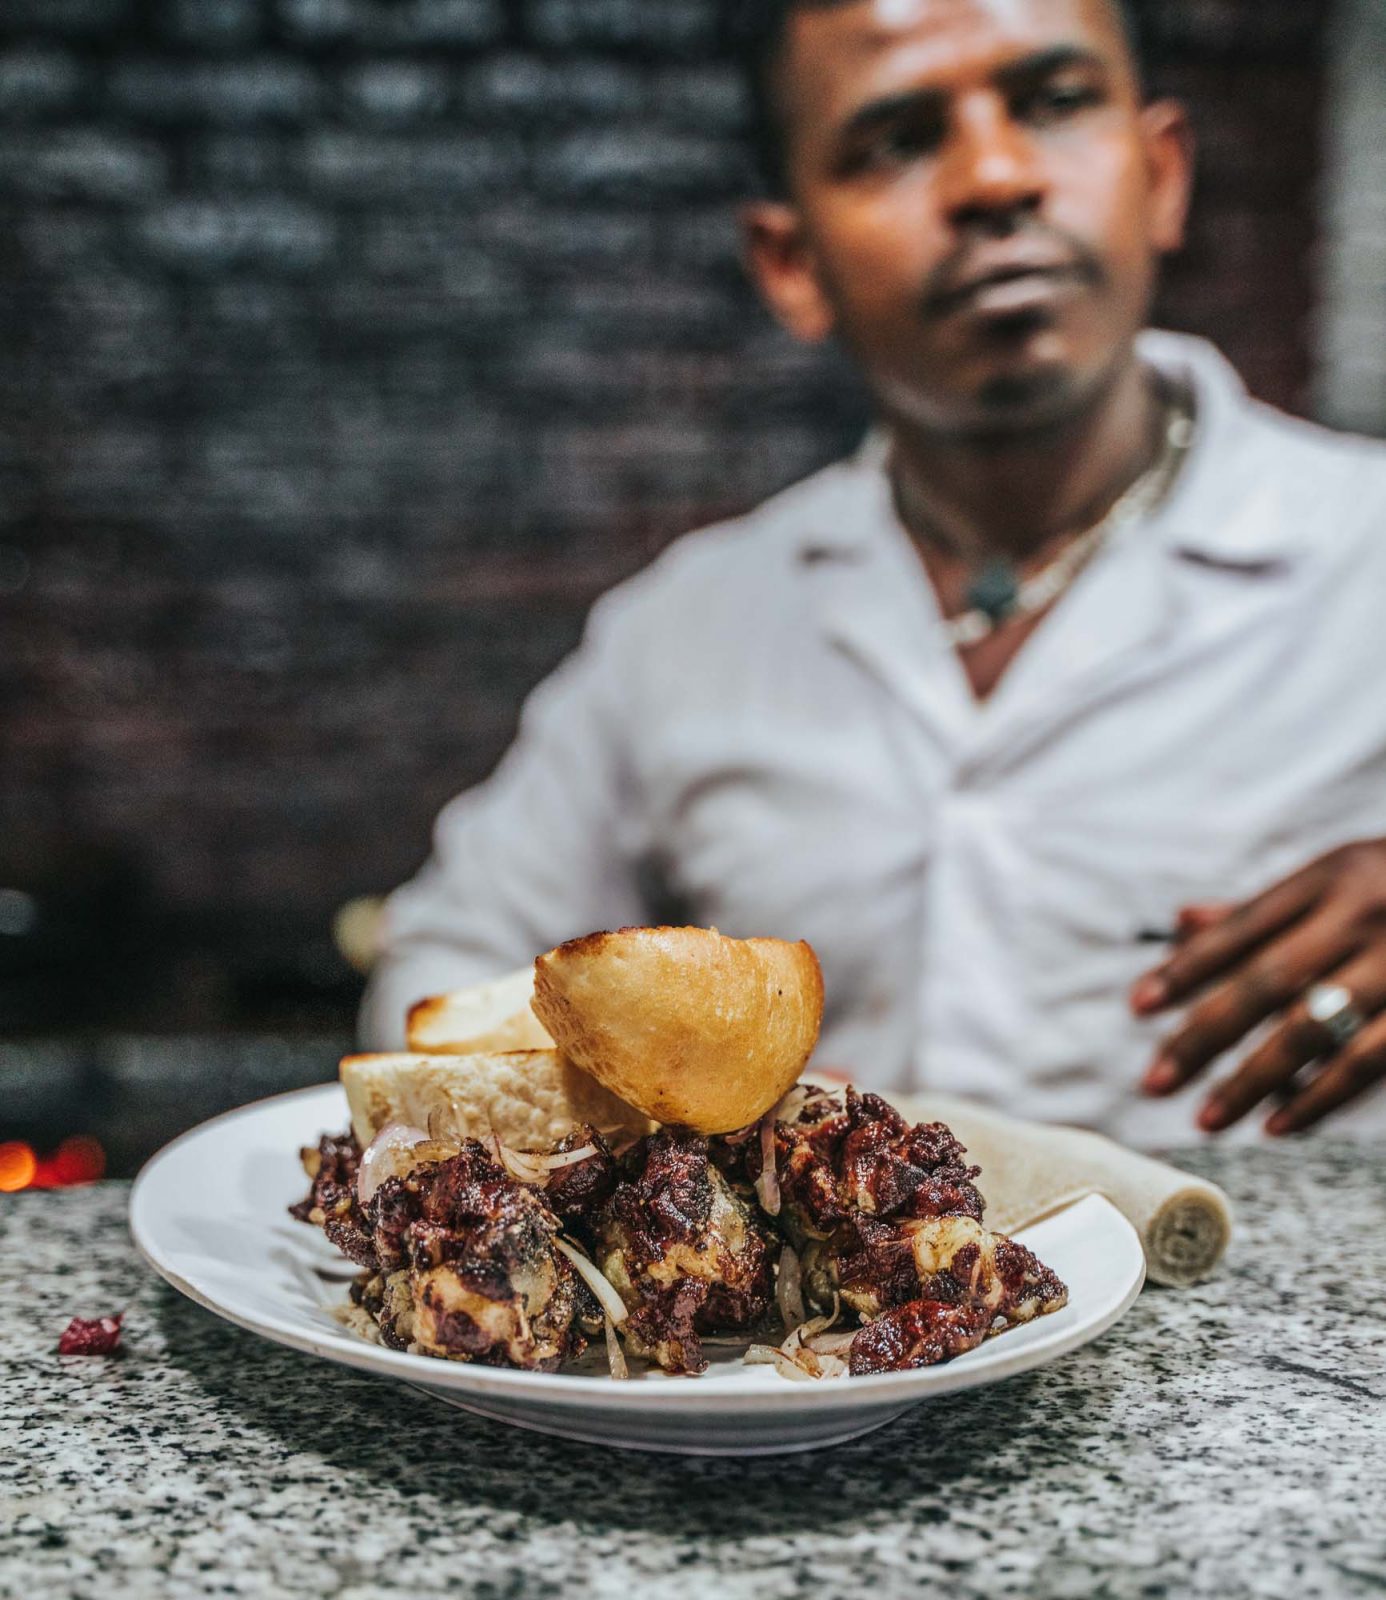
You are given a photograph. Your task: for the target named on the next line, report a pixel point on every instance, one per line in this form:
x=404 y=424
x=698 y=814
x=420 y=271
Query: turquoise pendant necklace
x=995 y=592
x=998 y=593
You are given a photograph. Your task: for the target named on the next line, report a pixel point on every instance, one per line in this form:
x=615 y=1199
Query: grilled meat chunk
x=389 y=1299
x=685 y=1253
x=943 y=1284
x=855 y=1155
x=333 y=1163
x=487 y=1283
x=331 y=1200
x=875 y=1266
x=887 y=1219
x=577 y=1194
x=919 y=1334
x=461 y=1264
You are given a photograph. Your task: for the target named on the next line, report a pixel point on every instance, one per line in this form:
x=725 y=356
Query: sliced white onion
x=801 y=1364
x=376 y=1163
x=789 y=1290
x=832 y=1344
x=522 y=1168
x=615 y=1356
x=591 y=1275
x=817 y=1325
x=795 y=1101
x=805 y=1351
x=765 y=1355
x=526 y=1167
x=569 y=1158
x=768 y=1183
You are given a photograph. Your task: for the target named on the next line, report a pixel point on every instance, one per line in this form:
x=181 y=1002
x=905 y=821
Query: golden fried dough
x=687 y=1025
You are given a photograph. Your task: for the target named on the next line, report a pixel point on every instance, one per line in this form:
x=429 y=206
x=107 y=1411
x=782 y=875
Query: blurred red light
x=18 y=1164
x=78 y=1160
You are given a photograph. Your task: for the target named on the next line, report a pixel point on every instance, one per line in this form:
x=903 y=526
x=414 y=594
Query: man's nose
x=991 y=170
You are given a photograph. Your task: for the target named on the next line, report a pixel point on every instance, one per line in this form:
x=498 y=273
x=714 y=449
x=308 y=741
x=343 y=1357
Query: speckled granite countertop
x=1226 y=1441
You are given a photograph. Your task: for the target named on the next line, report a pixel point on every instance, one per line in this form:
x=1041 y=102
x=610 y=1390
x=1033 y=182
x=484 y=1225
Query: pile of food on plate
x=617 y=1147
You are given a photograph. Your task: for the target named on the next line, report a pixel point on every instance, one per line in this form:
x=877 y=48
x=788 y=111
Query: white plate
x=209 y=1213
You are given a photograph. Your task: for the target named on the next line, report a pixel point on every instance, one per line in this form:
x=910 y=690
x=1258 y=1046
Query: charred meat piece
x=876 y=1267
x=887 y=1219
x=842 y=1158
x=334 y=1163
x=577 y=1194
x=486 y=1281
x=919 y=1334
x=461 y=1264
x=389 y=1299
x=331 y=1202
x=686 y=1254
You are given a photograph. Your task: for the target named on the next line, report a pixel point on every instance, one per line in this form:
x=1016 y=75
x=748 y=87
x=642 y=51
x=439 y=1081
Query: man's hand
x=1258 y=962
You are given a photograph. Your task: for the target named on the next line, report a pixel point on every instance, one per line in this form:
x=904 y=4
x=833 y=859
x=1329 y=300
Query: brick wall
x=1252 y=72
x=351 y=348
x=1350 y=327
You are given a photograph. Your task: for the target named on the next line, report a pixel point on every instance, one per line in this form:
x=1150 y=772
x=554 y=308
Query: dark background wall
x=350 y=349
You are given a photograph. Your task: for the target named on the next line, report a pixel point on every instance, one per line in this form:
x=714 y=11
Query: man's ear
x=1169 y=155
x=782 y=265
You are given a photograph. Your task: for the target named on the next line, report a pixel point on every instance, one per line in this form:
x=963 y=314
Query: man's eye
x=1058 y=100
x=894 y=147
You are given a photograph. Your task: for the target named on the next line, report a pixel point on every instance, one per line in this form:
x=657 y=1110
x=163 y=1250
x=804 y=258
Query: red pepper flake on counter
x=99 y=1338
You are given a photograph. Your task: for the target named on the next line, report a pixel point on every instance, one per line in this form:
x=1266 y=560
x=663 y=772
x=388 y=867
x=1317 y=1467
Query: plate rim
x=664 y=1394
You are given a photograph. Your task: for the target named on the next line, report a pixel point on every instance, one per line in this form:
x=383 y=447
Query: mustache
x=1035 y=247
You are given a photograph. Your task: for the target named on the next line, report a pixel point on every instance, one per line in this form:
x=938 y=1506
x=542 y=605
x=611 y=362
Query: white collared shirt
x=768 y=725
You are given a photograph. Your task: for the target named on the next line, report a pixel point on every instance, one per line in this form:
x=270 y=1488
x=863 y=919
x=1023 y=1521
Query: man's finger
x=1275 y=977
x=1357 y=1068
x=1299 y=1040
x=1210 y=952
x=1194 y=919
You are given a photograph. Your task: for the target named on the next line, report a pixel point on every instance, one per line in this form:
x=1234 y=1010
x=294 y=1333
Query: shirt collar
x=1225 y=510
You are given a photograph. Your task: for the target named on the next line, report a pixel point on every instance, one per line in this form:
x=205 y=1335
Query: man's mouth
x=1010 y=290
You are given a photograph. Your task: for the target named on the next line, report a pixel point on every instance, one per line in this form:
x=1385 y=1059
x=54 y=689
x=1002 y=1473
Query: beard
x=1015 y=403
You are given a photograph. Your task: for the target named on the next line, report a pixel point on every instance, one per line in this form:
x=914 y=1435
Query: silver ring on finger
x=1336 y=1012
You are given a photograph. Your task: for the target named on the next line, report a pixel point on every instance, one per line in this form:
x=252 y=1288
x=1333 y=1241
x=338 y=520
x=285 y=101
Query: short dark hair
x=756 y=30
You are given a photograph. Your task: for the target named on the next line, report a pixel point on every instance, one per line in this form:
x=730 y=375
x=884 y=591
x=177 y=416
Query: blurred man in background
x=1077 y=657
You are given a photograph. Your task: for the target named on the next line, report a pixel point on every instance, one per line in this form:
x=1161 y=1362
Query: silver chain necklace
x=998 y=594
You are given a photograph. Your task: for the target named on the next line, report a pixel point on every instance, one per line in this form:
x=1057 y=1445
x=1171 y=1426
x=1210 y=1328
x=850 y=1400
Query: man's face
x=977 y=201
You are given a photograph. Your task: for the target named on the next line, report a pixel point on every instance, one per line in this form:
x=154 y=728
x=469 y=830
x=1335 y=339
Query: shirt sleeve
x=545 y=850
